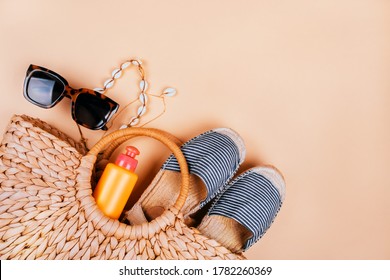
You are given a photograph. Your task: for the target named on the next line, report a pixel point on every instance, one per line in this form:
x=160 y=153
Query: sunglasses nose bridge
x=71 y=92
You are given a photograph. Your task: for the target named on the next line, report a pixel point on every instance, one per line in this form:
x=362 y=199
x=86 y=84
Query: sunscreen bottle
x=116 y=184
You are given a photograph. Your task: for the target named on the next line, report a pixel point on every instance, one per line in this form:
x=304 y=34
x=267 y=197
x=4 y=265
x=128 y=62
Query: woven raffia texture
x=47 y=210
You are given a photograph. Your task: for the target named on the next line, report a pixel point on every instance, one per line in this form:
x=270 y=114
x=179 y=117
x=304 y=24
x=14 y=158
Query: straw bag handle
x=119 y=141
x=120 y=136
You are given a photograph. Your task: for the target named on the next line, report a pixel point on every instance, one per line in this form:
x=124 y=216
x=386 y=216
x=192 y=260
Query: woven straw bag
x=47 y=210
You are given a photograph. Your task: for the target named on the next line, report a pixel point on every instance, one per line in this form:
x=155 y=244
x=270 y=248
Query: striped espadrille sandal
x=246 y=209
x=212 y=157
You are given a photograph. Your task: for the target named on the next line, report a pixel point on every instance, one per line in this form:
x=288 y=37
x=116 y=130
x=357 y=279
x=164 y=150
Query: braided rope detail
x=41 y=216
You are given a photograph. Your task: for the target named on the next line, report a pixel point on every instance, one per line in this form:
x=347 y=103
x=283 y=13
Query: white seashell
x=137 y=62
x=109 y=83
x=169 y=92
x=143 y=85
x=116 y=73
x=143 y=98
x=134 y=121
x=141 y=110
x=125 y=65
x=99 y=89
x=123 y=126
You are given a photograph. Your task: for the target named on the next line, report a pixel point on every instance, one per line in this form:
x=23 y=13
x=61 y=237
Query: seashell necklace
x=143 y=95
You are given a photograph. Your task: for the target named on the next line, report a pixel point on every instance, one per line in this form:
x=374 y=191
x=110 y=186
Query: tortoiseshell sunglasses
x=46 y=88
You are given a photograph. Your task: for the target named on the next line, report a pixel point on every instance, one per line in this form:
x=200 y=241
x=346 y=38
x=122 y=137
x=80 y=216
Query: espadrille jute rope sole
x=162 y=193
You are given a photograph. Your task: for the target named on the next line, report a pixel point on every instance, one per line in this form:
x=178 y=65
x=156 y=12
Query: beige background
x=306 y=84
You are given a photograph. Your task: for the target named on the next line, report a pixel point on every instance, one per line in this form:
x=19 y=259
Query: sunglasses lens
x=92 y=111
x=44 y=89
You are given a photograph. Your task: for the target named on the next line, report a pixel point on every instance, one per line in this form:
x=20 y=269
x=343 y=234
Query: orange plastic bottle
x=116 y=184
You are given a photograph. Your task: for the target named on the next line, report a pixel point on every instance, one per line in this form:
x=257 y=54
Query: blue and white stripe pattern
x=253 y=200
x=214 y=156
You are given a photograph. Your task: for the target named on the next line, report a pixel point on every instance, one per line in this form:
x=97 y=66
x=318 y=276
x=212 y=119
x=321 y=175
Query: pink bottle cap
x=128 y=160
